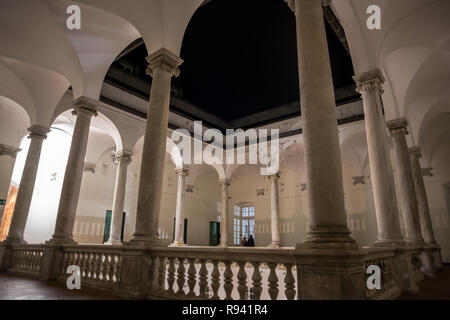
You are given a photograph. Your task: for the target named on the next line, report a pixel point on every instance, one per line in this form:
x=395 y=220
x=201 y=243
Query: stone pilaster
x=370 y=86
x=123 y=159
x=275 y=211
x=37 y=134
x=225 y=185
x=84 y=109
x=162 y=65
x=407 y=193
x=182 y=173
x=328 y=222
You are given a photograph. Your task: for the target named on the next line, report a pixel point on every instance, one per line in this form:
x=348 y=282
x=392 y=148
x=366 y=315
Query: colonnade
x=327 y=227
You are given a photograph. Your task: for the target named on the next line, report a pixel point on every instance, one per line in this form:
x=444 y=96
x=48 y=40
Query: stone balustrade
x=26 y=259
x=100 y=266
x=204 y=272
x=226 y=274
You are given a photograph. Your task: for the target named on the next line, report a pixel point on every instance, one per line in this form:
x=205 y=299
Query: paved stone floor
x=17 y=288
x=432 y=289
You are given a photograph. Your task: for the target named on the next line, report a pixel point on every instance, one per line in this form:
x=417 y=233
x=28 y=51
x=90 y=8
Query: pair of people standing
x=248 y=243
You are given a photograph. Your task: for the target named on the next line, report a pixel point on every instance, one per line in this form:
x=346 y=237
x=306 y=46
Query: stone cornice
x=89 y=167
x=11 y=151
x=38 y=132
x=369 y=81
x=165 y=60
x=398 y=126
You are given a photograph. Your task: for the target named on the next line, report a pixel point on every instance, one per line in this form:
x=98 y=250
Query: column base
x=56 y=241
x=144 y=241
x=14 y=241
x=113 y=243
x=177 y=244
x=395 y=243
x=328 y=237
x=274 y=246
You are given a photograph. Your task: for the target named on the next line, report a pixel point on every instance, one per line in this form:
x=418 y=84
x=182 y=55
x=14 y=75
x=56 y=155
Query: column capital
x=11 y=151
x=398 y=126
x=85 y=105
x=182 y=171
x=38 y=132
x=275 y=176
x=291 y=3
x=122 y=156
x=89 y=167
x=165 y=60
x=370 y=80
x=224 y=182
x=415 y=151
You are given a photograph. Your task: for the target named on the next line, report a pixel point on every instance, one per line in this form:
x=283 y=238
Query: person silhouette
x=251 y=241
x=244 y=242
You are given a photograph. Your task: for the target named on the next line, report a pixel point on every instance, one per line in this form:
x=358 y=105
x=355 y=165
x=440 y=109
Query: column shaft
x=37 y=134
x=179 y=213
x=123 y=158
x=162 y=66
x=369 y=85
x=84 y=109
x=406 y=190
x=275 y=211
x=225 y=184
x=328 y=222
x=421 y=195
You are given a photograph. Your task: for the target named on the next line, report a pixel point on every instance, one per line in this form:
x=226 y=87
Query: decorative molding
x=358 y=180
x=11 y=151
x=89 y=167
x=427 y=172
x=165 y=60
x=260 y=192
x=303 y=186
x=190 y=188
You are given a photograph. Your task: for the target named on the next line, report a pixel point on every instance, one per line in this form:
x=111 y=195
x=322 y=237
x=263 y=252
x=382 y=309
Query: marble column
x=182 y=173
x=7 y=160
x=407 y=193
x=123 y=159
x=421 y=196
x=224 y=184
x=274 y=211
x=328 y=221
x=84 y=109
x=162 y=65
x=370 y=87
x=37 y=135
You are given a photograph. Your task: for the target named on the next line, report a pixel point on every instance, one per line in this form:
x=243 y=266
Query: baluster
x=191 y=277
x=162 y=274
x=171 y=275
x=115 y=268
x=242 y=281
x=180 y=276
x=228 y=280
x=203 y=275
x=215 y=280
x=83 y=268
x=256 y=281
x=105 y=266
x=289 y=282
x=273 y=281
x=91 y=265
x=111 y=267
